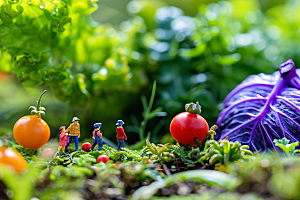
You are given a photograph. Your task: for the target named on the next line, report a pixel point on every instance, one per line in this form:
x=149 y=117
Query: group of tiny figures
x=74 y=129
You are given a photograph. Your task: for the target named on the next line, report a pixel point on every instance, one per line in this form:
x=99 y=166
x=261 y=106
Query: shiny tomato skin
x=86 y=146
x=31 y=132
x=103 y=158
x=185 y=127
x=12 y=158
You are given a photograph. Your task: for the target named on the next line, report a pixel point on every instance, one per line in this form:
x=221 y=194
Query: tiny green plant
x=159 y=153
x=286 y=146
x=224 y=152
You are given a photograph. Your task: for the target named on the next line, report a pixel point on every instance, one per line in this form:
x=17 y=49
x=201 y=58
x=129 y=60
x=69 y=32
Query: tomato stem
x=39 y=152
x=193 y=108
x=39 y=101
x=38 y=110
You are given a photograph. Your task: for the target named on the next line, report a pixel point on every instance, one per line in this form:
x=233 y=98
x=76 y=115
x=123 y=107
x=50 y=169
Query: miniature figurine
x=74 y=130
x=63 y=139
x=97 y=136
x=120 y=134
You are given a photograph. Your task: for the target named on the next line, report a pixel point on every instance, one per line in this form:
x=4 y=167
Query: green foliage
x=148 y=114
x=129 y=170
x=193 y=58
x=28 y=30
x=210 y=195
x=124 y=155
x=209 y=136
x=289 y=149
x=270 y=174
x=20 y=185
x=47 y=178
x=26 y=153
x=158 y=153
x=208 y=177
x=86 y=159
x=57 y=44
x=224 y=152
x=202 y=58
x=36 y=40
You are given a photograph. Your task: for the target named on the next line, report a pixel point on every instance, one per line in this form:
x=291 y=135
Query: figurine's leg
x=63 y=149
x=76 y=142
x=100 y=143
x=70 y=140
x=119 y=144
x=58 y=149
x=122 y=143
x=94 y=144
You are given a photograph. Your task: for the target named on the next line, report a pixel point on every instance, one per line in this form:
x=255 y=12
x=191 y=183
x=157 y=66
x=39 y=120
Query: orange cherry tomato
x=12 y=158
x=31 y=132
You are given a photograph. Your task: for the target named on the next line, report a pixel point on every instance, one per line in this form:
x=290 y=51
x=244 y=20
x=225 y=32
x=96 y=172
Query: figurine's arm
x=69 y=128
x=67 y=139
x=124 y=134
x=79 y=130
x=100 y=134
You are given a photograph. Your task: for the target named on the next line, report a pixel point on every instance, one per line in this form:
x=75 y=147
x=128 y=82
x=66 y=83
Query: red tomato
x=31 y=132
x=185 y=127
x=47 y=153
x=103 y=158
x=12 y=158
x=86 y=146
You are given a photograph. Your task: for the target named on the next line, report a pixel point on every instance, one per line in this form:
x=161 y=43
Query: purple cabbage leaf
x=263 y=108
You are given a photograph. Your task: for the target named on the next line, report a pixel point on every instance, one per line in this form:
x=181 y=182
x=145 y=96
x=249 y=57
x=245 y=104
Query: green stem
x=199 y=144
x=39 y=152
x=38 y=105
x=146 y=116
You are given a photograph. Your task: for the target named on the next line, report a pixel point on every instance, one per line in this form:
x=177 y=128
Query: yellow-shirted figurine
x=74 y=130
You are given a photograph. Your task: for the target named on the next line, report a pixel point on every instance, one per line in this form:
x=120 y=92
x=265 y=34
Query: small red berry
x=86 y=146
x=47 y=153
x=103 y=158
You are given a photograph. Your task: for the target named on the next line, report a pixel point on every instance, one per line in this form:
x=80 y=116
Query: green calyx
x=38 y=110
x=193 y=108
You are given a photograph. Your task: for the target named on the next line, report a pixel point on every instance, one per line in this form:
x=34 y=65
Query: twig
x=72 y=159
x=167 y=171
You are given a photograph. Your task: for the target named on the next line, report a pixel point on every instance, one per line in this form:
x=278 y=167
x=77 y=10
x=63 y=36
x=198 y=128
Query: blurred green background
x=102 y=65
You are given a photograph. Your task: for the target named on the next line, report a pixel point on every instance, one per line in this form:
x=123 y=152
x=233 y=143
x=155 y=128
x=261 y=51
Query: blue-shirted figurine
x=120 y=134
x=97 y=136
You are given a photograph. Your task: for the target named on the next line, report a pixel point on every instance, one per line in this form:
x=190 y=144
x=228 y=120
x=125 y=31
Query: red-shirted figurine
x=63 y=139
x=120 y=134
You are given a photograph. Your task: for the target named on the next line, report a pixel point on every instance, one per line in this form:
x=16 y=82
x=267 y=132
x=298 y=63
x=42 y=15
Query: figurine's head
x=120 y=123
x=62 y=129
x=75 y=119
x=97 y=125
